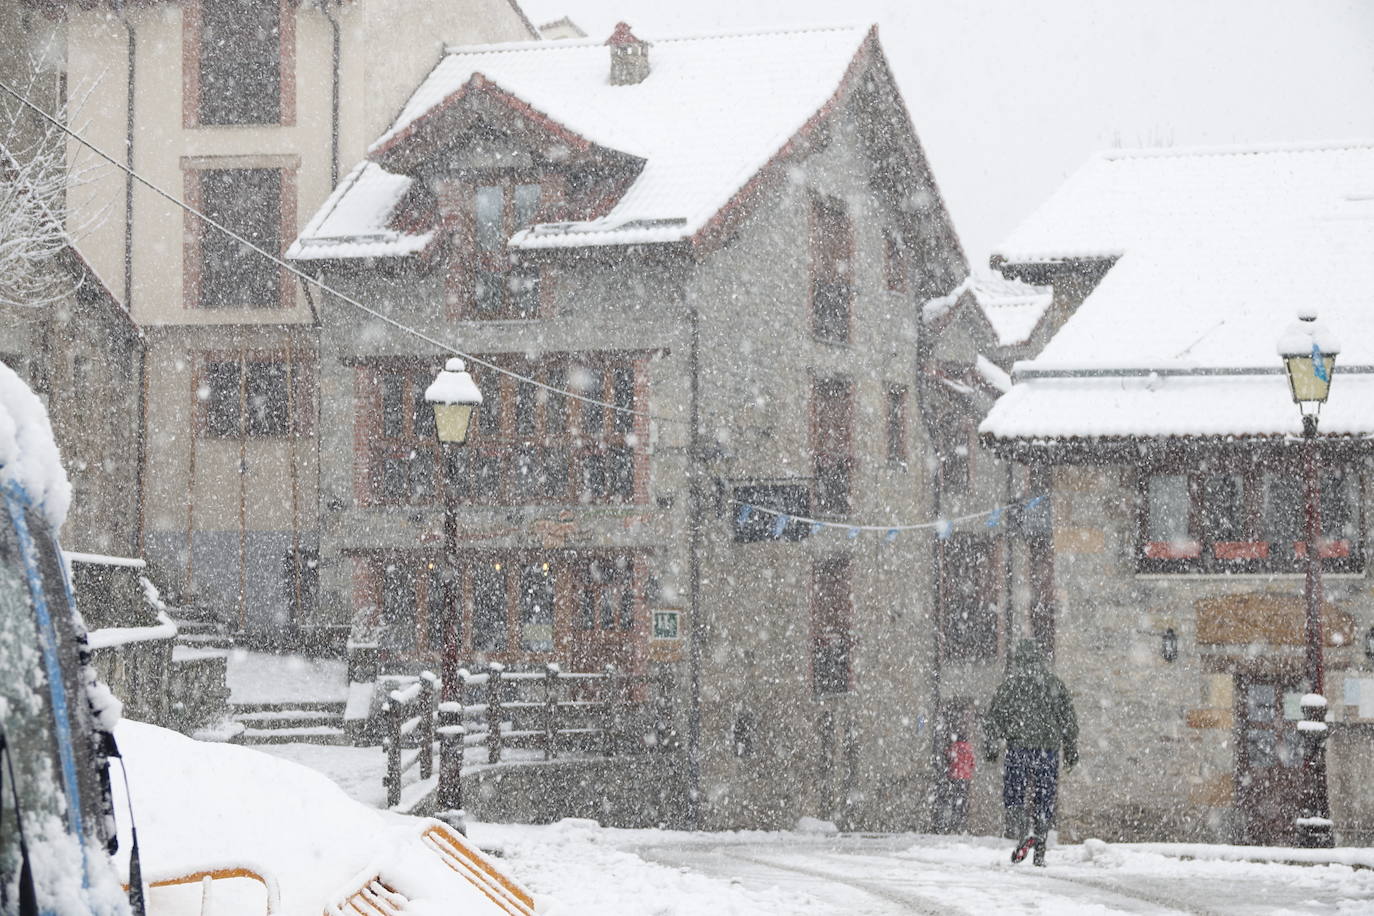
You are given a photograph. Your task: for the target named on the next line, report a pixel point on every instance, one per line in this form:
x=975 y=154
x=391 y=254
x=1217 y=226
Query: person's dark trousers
x=1036 y=769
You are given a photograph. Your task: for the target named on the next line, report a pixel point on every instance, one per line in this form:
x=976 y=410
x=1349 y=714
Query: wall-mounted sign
x=666 y=625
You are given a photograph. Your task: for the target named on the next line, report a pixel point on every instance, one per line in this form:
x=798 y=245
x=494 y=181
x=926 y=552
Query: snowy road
x=580 y=868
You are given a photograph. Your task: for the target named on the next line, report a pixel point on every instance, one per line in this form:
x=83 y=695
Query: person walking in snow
x=1032 y=715
x=959 y=772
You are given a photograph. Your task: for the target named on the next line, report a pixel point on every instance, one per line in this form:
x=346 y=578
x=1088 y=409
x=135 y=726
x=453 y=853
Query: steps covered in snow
x=304 y=722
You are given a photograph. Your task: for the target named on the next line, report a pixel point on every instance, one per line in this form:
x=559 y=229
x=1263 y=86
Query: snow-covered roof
x=1013 y=308
x=354 y=221
x=1149 y=405
x=28 y=452
x=1215 y=253
x=711 y=113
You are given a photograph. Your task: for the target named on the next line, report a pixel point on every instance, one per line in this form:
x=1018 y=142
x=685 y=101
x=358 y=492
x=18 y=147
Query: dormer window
x=487 y=280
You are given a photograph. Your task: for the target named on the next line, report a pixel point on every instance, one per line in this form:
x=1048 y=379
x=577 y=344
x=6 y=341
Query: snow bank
x=202 y=806
x=28 y=454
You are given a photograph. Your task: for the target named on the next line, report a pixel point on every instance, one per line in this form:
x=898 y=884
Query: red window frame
x=569 y=582
x=832 y=269
x=192 y=49
x=195 y=230
x=471 y=261
x=832 y=625
x=1210 y=545
x=528 y=446
x=832 y=444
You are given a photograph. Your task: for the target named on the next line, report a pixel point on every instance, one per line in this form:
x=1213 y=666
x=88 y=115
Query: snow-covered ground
x=579 y=868
x=261 y=677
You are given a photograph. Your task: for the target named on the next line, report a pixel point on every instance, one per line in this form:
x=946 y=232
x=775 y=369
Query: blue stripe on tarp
x=16 y=500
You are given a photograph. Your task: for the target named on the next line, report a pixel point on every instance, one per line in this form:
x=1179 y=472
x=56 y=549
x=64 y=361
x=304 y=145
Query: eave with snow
x=670 y=159
x=1192 y=263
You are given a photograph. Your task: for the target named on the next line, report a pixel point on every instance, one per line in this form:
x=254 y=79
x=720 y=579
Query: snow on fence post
x=429 y=709
x=391 y=714
x=551 y=672
x=494 y=711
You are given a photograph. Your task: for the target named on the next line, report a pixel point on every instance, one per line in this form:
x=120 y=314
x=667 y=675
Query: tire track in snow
x=1108 y=895
x=705 y=860
x=1115 y=889
x=919 y=904
x=1148 y=895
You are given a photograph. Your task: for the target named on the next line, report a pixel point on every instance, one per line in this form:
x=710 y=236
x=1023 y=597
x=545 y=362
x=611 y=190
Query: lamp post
x=455 y=398
x=1309 y=353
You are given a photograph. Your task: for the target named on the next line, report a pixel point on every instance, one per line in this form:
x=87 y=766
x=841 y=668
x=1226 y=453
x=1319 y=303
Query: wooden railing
x=409 y=714
x=549 y=711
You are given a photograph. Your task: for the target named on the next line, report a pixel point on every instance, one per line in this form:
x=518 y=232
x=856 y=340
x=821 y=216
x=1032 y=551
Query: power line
x=320 y=284
x=939 y=525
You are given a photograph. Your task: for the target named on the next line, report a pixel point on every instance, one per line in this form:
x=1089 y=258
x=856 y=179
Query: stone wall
x=1158 y=736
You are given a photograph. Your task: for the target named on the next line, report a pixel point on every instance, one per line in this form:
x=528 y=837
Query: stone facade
x=1159 y=749
x=721 y=334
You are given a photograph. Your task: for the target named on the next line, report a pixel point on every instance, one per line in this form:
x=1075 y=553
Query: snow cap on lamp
x=454 y=396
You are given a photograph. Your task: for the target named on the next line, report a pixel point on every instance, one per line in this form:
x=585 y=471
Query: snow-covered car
x=201 y=828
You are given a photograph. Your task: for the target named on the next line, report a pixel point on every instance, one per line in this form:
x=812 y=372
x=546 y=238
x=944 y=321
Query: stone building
x=717 y=246
x=243 y=108
x=1159 y=422
x=82 y=354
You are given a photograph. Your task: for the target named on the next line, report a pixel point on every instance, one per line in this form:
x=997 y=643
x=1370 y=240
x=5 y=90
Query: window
x=956 y=456
x=896 y=426
x=398 y=607
x=832 y=287
x=239 y=62
x=832 y=613
x=436 y=607
x=832 y=421
x=406 y=455
x=229 y=274
x=254 y=398
x=607 y=599
x=510 y=602
x=536 y=607
x=487 y=280
x=535 y=446
x=791 y=498
x=896 y=263
x=489 y=611
x=1245 y=516
x=969 y=598
x=404 y=458
x=409 y=603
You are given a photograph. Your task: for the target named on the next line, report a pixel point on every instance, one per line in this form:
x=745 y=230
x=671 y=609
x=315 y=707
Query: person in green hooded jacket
x=1032 y=715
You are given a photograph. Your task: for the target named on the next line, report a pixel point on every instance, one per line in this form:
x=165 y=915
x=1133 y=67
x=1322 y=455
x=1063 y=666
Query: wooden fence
x=549 y=711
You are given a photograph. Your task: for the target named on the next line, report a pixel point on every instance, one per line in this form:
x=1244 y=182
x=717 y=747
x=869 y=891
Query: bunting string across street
x=943 y=527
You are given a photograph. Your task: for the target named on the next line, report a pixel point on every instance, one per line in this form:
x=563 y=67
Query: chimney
x=629 y=57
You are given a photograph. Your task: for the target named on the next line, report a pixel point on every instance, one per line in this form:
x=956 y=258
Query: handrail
x=219 y=874
x=494 y=698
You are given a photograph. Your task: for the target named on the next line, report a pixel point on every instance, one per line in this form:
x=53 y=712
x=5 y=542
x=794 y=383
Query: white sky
x=1010 y=96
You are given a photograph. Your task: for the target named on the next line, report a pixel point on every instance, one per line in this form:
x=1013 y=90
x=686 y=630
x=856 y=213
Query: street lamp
x=455 y=398
x=1309 y=352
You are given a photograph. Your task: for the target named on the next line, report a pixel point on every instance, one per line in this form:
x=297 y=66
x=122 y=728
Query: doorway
x=1268 y=758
